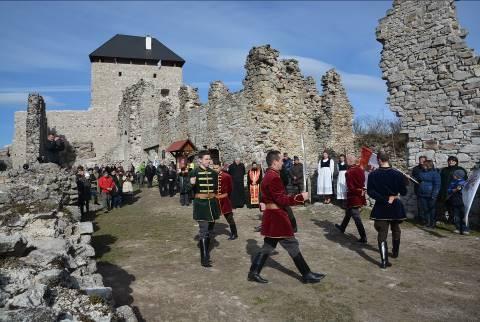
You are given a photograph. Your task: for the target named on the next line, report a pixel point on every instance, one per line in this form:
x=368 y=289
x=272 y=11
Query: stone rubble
x=47 y=266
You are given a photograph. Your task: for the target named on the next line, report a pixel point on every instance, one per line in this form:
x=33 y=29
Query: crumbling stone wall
x=277 y=105
x=336 y=121
x=433 y=79
x=36 y=128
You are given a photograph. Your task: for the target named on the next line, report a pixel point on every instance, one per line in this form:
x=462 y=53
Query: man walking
x=355 y=180
x=276 y=226
x=205 y=204
x=385 y=185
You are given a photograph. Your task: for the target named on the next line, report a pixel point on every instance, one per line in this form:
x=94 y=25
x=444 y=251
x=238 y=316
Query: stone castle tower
x=119 y=63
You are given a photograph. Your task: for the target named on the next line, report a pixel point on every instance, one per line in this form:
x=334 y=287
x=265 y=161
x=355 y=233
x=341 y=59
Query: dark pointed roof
x=133 y=47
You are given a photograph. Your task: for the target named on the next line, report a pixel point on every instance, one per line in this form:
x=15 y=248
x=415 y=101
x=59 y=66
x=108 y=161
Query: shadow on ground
x=119 y=280
x=345 y=240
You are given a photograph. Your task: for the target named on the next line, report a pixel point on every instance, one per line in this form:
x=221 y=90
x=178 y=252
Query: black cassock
x=237 y=171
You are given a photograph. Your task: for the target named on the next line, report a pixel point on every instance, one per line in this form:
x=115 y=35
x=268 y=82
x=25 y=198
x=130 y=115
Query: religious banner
x=254 y=176
x=469 y=192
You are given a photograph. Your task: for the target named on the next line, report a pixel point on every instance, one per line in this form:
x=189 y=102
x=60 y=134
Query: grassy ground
x=148 y=254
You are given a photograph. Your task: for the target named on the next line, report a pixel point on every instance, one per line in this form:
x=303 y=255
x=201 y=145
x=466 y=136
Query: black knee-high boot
x=256 y=268
x=395 y=247
x=307 y=275
x=204 y=244
x=233 y=232
x=383 y=249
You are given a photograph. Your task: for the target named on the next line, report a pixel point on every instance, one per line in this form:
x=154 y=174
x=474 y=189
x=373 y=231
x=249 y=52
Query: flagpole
x=304 y=164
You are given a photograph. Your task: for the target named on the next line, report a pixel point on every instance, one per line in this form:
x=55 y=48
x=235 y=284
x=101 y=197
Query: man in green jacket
x=206 y=209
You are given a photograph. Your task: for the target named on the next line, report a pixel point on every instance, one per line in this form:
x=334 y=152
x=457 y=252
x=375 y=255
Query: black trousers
x=184 y=199
x=171 y=188
x=205 y=229
x=84 y=205
x=381 y=226
x=298 y=186
x=290 y=244
x=355 y=214
x=150 y=180
x=163 y=187
x=229 y=218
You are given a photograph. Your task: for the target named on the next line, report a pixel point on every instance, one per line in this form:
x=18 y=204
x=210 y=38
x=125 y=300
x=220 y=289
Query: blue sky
x=45 y=45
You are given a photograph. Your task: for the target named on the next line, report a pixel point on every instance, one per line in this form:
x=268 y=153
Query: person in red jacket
x=355 y=179
x=276 y=226
x=106 y=185
x=225 y=187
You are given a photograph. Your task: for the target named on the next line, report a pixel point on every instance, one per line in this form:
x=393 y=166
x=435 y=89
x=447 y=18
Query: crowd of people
x=111 y=184
x=218 y=189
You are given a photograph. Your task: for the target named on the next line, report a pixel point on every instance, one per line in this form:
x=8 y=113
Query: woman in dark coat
x=385 y=185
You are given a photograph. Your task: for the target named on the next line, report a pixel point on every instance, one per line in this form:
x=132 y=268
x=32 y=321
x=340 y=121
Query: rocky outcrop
x=47 y=266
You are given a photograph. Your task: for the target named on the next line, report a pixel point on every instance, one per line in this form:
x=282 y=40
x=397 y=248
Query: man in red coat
x=225 y=187
x=106 y=186
x=276 y=226
x=355 y=178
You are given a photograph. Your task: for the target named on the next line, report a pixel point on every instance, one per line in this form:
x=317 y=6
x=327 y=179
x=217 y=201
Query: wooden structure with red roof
x=181 y=150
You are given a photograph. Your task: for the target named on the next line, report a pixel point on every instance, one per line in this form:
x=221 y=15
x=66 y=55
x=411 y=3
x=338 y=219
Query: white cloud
x=229 y=84
x=362 y=82
x=352 y=82
x=19 y=98
x=223 y=59
x=310 y=66
x=47 y=89
x=13 y=98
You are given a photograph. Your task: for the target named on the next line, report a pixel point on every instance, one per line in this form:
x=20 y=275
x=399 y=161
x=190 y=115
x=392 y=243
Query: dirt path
x=148 y=254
